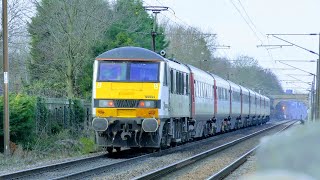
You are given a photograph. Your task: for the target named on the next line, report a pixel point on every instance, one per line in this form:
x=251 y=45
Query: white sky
x=268 y=16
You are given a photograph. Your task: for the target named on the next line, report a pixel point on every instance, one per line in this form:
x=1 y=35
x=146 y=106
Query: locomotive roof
x=130 y=53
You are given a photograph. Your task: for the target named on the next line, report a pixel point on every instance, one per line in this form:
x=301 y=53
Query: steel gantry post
x=317 y=83
x=317 y=111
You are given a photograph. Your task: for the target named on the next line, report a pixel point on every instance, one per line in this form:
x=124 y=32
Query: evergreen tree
x=132 y=26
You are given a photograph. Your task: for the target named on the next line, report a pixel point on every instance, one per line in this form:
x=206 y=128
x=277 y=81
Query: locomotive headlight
x=147 y=104
x=105 y=103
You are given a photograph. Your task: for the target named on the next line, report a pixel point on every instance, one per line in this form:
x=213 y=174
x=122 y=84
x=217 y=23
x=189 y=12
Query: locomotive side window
x=165 y=75
x=171 y=81
x=177 y=83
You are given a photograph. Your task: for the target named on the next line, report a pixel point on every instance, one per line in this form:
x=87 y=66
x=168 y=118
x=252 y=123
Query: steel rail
x=42 y=169
x=106 y=168
x=55 y=167
x=174 y=167
x=241 y=160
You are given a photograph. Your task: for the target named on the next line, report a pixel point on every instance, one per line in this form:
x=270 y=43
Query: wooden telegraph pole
x=6 y=127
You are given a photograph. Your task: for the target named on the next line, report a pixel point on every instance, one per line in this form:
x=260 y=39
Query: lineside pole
x=313 y=99
x=316 y=94
x=6 y=128
x=317 y=112
x=154 y=31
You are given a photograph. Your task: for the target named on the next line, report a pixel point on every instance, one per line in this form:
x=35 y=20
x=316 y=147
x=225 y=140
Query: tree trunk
x=70 y=80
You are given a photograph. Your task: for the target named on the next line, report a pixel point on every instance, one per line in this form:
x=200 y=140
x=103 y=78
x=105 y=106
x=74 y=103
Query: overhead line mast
x=316 y=114
x=155 y=10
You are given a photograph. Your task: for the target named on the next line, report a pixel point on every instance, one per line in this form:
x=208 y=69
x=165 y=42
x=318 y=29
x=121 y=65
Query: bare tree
x=64 y=32
x=19 y=12
x=190 y=45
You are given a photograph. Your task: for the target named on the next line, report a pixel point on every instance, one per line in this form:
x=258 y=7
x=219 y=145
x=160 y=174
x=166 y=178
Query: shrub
x=22 y=115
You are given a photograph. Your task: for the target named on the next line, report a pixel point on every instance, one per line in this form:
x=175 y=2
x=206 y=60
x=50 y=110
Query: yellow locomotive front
x=126 y=102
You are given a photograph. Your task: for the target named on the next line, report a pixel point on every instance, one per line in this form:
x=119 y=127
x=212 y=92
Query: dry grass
x=46 y=150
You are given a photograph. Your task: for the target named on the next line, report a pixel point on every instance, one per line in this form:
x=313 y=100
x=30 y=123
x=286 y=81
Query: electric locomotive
x=141 y=99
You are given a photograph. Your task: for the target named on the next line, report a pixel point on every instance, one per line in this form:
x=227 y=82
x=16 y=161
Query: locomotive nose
x=100 y=124
x=150 y=125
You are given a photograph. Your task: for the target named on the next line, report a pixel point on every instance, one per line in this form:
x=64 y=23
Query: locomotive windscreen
x=128 y=71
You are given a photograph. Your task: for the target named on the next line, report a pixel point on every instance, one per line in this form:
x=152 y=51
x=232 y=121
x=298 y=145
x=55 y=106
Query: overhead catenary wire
x=246 y=21
x=254 y=29
x=183 y=22
x=245 y=11
x=187 y=25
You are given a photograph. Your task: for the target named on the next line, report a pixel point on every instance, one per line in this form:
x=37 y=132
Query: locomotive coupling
x=100 y=124
x=150 y=125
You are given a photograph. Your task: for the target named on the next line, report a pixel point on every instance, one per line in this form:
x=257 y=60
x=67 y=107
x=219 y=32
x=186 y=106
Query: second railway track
x=192 y=168
x=238 y=162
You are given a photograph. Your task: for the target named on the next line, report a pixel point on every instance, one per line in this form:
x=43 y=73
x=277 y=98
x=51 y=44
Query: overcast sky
x=268 y=16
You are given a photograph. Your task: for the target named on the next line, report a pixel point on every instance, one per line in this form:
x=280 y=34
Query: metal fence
x=53 y=114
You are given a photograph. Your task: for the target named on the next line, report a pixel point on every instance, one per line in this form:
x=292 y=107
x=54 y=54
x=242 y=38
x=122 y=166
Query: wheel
x=118 y=149
x=110 y=150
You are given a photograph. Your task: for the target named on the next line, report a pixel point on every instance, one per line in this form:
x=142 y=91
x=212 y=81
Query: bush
x=22 y=114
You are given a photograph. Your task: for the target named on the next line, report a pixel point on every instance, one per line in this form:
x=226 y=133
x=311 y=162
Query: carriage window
x=181 y=84
x=171 y=81
x=187 y=84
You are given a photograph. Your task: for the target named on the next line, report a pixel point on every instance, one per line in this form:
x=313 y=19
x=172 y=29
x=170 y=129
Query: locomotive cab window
x=126 y=71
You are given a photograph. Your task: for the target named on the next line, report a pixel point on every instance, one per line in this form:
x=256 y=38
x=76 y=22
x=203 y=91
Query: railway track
x=164 y=171
x=57 y=171
x=52 y=167
x=241 y=160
